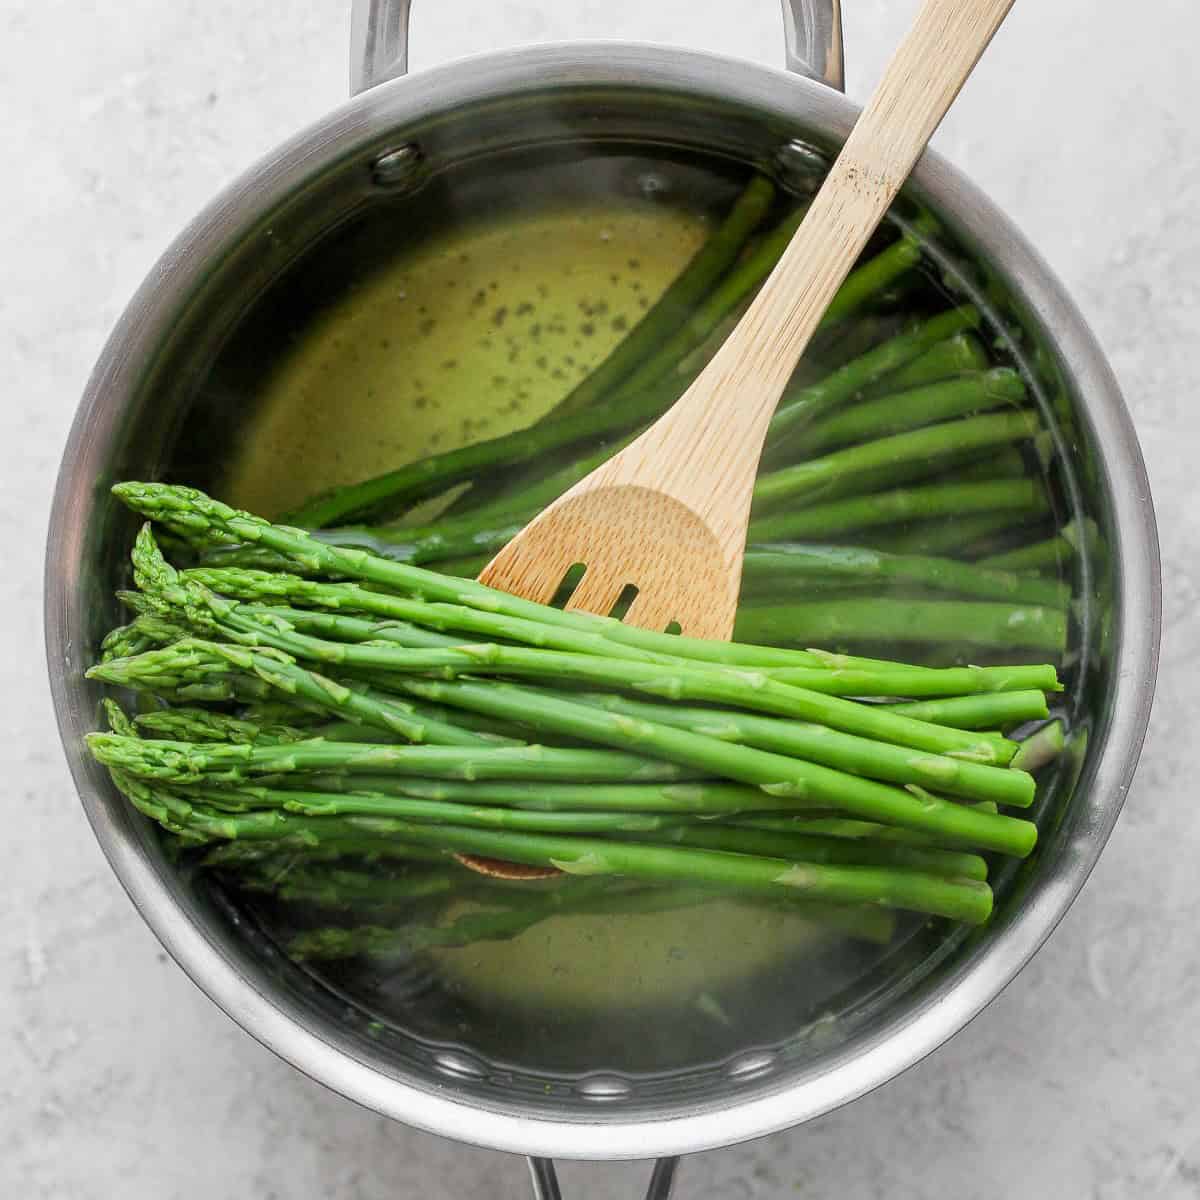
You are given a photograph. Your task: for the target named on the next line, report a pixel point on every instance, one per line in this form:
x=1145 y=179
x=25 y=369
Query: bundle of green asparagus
x=417 y=713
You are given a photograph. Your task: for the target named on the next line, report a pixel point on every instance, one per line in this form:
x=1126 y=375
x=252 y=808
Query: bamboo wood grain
x=668 y=514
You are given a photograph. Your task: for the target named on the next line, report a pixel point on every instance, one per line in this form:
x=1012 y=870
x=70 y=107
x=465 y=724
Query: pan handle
x=545 y=1180
x=379 y=41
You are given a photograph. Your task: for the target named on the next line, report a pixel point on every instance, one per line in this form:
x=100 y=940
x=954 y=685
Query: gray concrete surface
x=118 y=118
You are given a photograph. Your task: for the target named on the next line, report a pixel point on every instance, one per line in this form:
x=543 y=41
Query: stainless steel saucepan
x=390 y=145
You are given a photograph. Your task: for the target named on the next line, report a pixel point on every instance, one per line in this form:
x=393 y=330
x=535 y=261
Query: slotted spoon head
x=627 y=536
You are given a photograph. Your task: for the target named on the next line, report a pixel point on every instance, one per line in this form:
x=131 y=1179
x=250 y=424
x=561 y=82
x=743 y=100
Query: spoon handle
x=723 y=417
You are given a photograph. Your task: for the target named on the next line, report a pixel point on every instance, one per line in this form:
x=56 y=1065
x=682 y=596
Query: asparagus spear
x=184 y=762
x=961 y=354
x=795 y=565
x=932 y=533
x=179 y=664
x=1075 y=537
x=814 y=849
x=1035 y=556
x=386 y=494
x=700 y=797
x=992 y=710
x=925 y=622
x=1042 y=747
x=901 y=411
x=848 y=827
x=125 y=641
x=278 y=628
x=339 y=887
x=304 y=848
x=950 y=437
x=711 y=310
x=959 y=899
x=690 y=289
x=1002 y=503
x=187 y=724
x=411 y=808
x=800 y=406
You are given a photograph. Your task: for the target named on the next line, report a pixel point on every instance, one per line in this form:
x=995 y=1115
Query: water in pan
x=445 y=320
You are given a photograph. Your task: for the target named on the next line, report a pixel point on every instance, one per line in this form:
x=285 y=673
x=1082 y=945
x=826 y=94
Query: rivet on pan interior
x=800 y=167
x=454 y=1062
x=398 y=169
x=605 y=1087
x=756 y=1062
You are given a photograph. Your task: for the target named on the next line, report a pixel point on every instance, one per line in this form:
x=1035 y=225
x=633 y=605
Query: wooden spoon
x=668 y=514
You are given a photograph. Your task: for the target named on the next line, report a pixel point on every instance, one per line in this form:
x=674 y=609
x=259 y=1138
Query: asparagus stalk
x=1002 y=503
x=711 y=310
x=934 y=441
x=699 y=797
x=343 y=888
x=690 y=289
x=410 y=808
x=848 y=827
x=187 y=724
x=796 y=565
x=125 y=641
x=961 y=354
x=177 y=665
x=959 y=899
x=916 y=622
x=1036 y=556
x=932 y=533
x=1049 y=554
x=993 y=710
x=901 y=411
x=1042 y=747
x=813 y=849
x=306 y=848
x=1002 y=464
x=800 y=406
x=383 y=495
x=180 y=763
